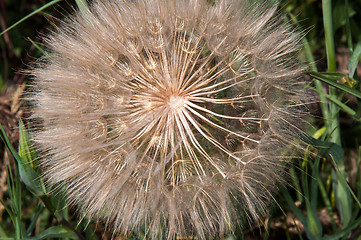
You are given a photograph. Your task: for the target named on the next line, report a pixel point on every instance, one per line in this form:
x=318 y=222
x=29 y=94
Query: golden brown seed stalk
x=175 y=117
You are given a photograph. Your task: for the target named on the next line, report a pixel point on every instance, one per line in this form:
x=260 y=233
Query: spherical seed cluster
x=175 y=117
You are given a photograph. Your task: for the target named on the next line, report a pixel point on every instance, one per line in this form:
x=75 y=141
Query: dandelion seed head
x=176 y=102
x=170 y=117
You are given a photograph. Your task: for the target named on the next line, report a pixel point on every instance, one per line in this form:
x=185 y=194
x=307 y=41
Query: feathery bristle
x=177 y=117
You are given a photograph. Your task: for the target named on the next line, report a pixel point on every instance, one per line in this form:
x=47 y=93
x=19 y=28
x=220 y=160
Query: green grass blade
x=342 y=198
x=342 y=192
x=20 y=229
x=314 y=186
x=354 y=59
x=9 y=211
x=11 y=187
x=296 y=185
x=344 y=231
x=54 y=232
x=318 y=84
x=13 y=210
x=348 y=29
x=339 y=103
x=358 y=174
x=29 y=15
x=8 y=144
x=328 y=27
x=333 y=125
x=343 y=179
x=88 y=230
x=34 y=220
x=313 y=226
x=3 y=233
x=332 y=78
x=37 y=46
x=292 y=205
x=310 y=222
x=327 y=203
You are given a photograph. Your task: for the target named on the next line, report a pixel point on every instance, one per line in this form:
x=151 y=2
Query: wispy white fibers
x=173 y=117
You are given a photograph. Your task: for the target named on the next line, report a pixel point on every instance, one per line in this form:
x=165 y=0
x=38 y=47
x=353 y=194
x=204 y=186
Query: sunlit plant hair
x=175 y=118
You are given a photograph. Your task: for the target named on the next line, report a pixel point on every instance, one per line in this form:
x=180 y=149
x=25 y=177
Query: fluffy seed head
x=175 y=117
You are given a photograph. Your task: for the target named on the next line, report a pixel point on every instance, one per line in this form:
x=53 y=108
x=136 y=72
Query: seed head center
x=176 y=102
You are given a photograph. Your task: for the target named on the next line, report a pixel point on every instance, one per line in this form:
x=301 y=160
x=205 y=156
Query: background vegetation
x=323 y=200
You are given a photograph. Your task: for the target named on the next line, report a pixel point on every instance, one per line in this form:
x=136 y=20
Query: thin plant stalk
x=342 y=194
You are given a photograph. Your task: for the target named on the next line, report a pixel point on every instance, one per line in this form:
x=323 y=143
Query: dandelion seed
x=175 y=117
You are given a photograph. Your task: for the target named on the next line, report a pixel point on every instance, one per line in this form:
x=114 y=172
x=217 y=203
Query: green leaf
x=25 y=150
x=341 y=14
x=313 y=225
x=83 y=7
x=342 y=197
x=59 y=201
x=325 y=149
x=29 y=176
x=54 y=232
x=88 y=230
x=333 y=78
x=31 y=179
